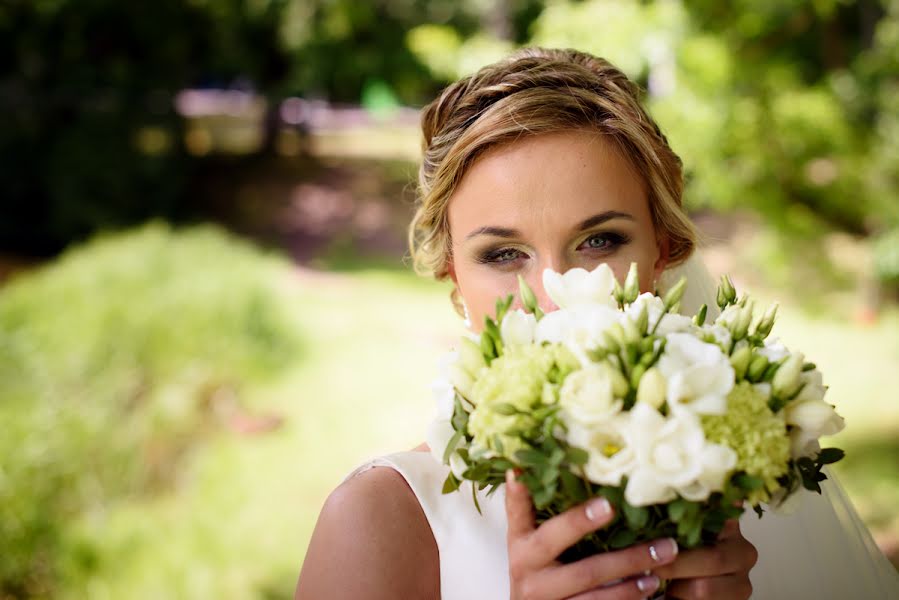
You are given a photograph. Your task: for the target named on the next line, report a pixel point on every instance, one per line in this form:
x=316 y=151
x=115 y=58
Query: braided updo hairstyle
x=534 y=91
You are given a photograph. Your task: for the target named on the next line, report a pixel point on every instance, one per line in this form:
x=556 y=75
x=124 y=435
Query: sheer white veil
x=822 y=549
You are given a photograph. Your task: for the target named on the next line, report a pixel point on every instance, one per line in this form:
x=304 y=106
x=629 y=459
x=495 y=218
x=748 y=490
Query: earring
x=466 y=315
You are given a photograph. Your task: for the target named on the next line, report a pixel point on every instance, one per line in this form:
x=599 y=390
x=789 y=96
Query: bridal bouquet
x=678 y=422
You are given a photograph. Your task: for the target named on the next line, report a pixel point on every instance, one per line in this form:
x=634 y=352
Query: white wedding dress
x=822 y=551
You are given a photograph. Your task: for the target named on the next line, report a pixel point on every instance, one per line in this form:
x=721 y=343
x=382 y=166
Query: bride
x=548 y=160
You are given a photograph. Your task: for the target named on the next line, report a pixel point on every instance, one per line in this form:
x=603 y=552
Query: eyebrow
x=597 y=219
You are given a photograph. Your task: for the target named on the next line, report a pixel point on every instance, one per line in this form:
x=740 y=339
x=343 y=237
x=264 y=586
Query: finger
x=737 y=587
x=563 y=531
x=731 y=555
x=641 y=587
x=606 y=568
x=519 y=508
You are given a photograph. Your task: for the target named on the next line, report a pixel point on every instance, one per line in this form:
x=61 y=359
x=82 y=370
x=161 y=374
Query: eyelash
x=613 y=240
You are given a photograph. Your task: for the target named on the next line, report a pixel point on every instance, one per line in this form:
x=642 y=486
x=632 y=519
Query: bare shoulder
x=372 y=540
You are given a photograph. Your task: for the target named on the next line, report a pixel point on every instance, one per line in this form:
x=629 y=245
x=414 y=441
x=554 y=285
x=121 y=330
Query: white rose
x=587 y=396
x=579 y=286
x=517 y=328
x=609 y=447
x=699 y=375
x=669 y=454
x=811 y=420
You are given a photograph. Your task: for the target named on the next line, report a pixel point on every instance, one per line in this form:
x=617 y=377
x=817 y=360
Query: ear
x=664 y=248
x=451 y=271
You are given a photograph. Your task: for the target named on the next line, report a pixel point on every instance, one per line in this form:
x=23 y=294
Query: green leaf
x=531 y=457
x=829 y=456
x=623 y=538
x=474 y=496
x=636 y=516
x=506 y=409
x=451 y=484
x=677 y=509
x=577 y=456
x=748 y=482
x=451 y=445
x=572 y=486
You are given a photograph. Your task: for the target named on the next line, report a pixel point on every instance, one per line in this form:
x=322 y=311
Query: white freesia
x=729 y=316
x=773 y=350
x=718 y=462
x=668 y=453
x=578 y=286
x=587 y=396
x=813 y=388
x=655 y=310
x=442 y=387
x=437 y=436
x=720 y=334
x=699 y=375
x=518 y=328
x=609 y=447
x=653 y=388
x=811 y=420
x=579 y=329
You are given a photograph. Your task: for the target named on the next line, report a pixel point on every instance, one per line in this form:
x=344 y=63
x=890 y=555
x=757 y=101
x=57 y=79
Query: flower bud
x=461 y=380
x=699 y=318
x=740 y=359
x=636 y=374
x=742 y=322
x=619 y=383
x=632 y=335
x=767 y=321
x=729 y=293
x=642 y=321
x=470 y=357
x=787 y=379
x=653 y=388
x=757 y=367
x=675 y=293
x=610 y=342
x=528 y=299
x=631 y=285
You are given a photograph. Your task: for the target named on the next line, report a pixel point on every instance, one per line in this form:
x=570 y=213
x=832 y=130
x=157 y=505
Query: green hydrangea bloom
x=524 y=377
x=758 y=436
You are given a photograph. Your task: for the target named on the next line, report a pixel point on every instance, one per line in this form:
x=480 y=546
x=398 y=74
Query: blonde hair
x=533 y=91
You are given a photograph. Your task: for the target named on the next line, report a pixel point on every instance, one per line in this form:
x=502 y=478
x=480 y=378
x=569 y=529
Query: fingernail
x=510 y=477
x=663 y=550
x=598 y=509
x=648 y=585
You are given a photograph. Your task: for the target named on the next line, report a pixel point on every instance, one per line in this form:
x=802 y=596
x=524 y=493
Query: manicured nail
x=510 y=477
x=598 y=509
x=663 y=550
x=648 y=585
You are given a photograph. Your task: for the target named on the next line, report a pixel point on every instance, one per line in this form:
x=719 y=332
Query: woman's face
x=551 y=201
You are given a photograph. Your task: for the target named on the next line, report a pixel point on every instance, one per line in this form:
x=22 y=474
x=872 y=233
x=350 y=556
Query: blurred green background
x=206 y=319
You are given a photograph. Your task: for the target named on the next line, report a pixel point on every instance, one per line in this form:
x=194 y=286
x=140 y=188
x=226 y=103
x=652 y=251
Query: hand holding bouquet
x=677 y=422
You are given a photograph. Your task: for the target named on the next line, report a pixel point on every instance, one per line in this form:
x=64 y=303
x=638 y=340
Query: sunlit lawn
x=238 y=523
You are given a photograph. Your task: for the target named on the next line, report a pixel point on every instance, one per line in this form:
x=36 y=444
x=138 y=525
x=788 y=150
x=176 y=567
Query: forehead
x=547 y=179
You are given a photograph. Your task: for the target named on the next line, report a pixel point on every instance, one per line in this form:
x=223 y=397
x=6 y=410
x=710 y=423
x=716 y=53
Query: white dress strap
x=471 y=546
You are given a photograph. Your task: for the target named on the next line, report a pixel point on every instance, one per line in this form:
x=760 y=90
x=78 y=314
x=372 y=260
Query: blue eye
x=604 y=241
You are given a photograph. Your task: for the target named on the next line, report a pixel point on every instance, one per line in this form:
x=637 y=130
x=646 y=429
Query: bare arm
x=372 y=540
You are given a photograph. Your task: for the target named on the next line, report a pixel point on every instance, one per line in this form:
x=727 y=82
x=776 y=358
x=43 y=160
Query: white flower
x=609 y=447
x=811 y=419
x=655 y=309
x=699 y=375
x=579 y=286
x=718 y=463
x=720 y=334
x=438 y=435
x=729 y=316
x=813 y=388
x=518 y=328
x=773 y=350
x=669 y=455
x=442 y=387
x=579 y=328
x=587 y=396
